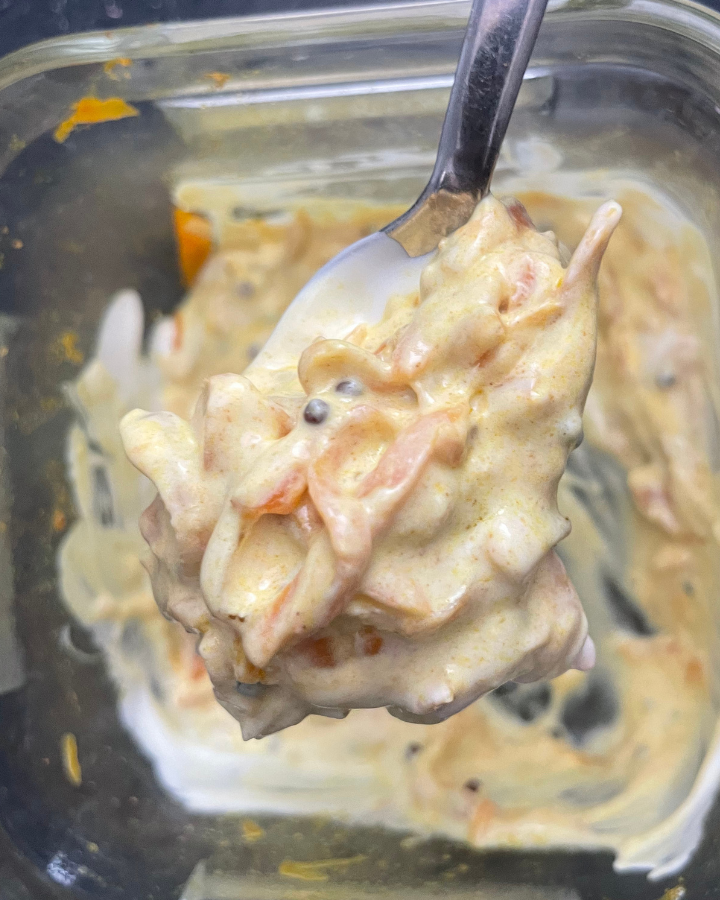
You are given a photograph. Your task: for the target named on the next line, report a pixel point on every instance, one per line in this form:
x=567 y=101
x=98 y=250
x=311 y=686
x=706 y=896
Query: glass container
x=340 y=103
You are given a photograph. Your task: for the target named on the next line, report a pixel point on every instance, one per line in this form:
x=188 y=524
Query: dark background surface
x=26 y=21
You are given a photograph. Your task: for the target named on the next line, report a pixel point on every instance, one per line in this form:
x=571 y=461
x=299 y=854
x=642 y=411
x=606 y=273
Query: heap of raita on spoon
x=367 y=516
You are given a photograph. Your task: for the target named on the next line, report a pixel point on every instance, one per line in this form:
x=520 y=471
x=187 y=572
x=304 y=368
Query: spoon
x=355 y=286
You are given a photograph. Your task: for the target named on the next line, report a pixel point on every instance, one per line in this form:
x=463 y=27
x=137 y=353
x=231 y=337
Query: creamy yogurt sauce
x=622 y=757
x=375 y=525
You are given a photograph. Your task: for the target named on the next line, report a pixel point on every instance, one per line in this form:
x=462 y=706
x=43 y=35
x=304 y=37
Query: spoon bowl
x=352 y=289
x=355 y=286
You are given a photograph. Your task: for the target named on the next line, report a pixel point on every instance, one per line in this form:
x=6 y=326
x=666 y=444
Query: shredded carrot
x=71 y=763
x=179 y=331
x=90 y=110
x=482 y=818
x=193 y=234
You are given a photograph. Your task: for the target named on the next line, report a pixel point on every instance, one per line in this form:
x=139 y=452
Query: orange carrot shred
x=90 y=110
x=193 y=234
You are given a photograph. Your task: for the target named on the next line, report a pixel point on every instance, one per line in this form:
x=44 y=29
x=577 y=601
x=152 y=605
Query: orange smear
x=179 y=332
x=59 y=520
x=286 y=495
x=112 y=64
x=482 y=819
x=403 y=461
x=319 y=652
x=372 y=643
x=90 y=110
x=193 y=234
x=197 y=668
x=280 y=601
x=695 y=673
x=220 y=78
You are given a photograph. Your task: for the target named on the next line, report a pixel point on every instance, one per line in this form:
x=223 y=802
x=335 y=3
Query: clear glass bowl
x=344 y=103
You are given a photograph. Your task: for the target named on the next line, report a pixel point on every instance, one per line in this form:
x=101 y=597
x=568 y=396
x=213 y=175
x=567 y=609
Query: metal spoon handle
x=498 y=42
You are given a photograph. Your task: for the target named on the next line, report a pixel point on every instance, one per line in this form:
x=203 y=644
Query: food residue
x=120 y=62
x=608 y=759
x=220 y=78
x=92 y=110
x=59 y=520
x=251 y=831
x=674 y=893
x=340 y=526
x=320 y=870
x=71 y=762
x=193 y=235
x=67 y=348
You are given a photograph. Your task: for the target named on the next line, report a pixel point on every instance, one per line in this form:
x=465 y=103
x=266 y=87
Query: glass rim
x=162 y=40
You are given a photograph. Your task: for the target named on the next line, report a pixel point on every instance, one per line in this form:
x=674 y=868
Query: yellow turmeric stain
x=67 y=348
x=71 y=763
x=119 y=62
x=90 y=110
x=220 y=78
x=316 y=871
x=251 y=831
x=675 y=893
